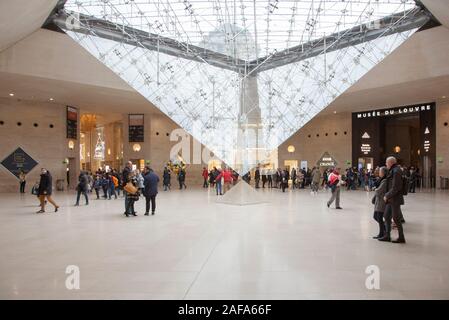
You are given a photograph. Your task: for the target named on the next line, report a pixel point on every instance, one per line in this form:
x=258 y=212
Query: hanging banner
x=19 y=161
x=72 y=122
x=136 y=127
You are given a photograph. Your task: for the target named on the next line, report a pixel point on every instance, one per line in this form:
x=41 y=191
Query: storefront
x=407 y=132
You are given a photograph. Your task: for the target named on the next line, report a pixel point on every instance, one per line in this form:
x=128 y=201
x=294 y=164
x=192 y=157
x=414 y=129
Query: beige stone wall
x=48 y=146
x=311 y=149
x=442 y=140
x=157 y=146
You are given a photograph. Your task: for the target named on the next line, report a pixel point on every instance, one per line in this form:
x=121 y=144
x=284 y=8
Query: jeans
x=78 y=197
x=111 y=191
x=152 y=200
x=335 y=197
x=126 y=200
x=129 y=206
x=218 y=186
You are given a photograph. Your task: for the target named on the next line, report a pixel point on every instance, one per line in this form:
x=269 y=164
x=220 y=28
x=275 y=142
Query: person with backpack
x=334 y=182
x=394 y=198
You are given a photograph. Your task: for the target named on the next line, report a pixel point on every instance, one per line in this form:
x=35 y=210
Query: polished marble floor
x=292 y=247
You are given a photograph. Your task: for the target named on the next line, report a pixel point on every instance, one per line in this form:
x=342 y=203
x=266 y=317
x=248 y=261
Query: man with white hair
x=394 y=198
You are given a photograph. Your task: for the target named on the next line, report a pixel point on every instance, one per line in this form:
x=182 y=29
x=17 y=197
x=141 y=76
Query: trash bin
x=60 y=184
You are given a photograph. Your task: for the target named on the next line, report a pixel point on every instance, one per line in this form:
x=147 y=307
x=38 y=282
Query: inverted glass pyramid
x=241 y=76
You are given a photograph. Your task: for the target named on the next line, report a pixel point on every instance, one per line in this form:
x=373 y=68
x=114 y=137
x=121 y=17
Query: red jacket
x=205 y=174
x=226 y=175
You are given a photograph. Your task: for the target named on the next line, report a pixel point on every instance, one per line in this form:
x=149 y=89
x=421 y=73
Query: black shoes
x=56 y=209
x=398 y=241
x=76 y=205
x=385 y=239
x=328 y=205
x=146 y=214
x=41 y=211
x=339 y=208
x=152 y=213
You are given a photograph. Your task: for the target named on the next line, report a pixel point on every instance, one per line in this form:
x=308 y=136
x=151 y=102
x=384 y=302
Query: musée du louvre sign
x=394 y=111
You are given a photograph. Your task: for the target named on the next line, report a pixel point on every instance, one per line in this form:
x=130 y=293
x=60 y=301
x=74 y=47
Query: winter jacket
x=379 y=204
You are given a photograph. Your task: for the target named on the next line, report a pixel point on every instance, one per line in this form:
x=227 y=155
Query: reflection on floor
x=293 y=247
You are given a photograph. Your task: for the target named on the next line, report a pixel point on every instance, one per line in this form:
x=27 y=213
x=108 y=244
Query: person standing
x=205 y=175
x=270 y=179
x=22 y=181
x=264 y=177
x=132 y=196
x=394 y=198
x=284 y=179
x=218 y=184
x=45 y=190
x=293 y=176
x=412 y=180
x=257 y=177
x=182 y=178
x=125 y=179
x=113 y=184
x=334 y=184
x=379 y=202
x=150 y=182
x=82 y=188
x=166 y=176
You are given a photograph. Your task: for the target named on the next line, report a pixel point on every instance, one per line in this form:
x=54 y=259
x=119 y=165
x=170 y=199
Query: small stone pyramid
x=242 y=194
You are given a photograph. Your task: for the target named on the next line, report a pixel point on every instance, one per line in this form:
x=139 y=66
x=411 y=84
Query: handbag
x=130 y=188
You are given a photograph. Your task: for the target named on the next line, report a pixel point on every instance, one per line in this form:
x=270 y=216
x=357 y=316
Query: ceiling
x=48 y=64
x=19 y=18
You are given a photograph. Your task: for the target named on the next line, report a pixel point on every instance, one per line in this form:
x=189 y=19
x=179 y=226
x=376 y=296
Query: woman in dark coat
x=45 y=190
x=82 y=188
x=166 y=179
x=379 y=202
x=132 y=197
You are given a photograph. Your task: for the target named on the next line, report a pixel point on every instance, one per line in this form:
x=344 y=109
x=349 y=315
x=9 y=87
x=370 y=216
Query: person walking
x=334 y=185
x=166 y=176
x=22 y=181
x=284 y=179
x=227 y=179
x=379 y=202
x=264 y=178
x=97 y=185
x=82 y=188
x=45 y=190
x=394 y=198
x=150 y=182
x=205 y=175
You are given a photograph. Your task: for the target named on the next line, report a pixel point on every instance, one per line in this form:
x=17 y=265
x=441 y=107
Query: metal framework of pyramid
x=240 y=76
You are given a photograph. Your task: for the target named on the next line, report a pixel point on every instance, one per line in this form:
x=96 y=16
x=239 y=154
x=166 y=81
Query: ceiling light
x=11 y=94
x=335 y=112
x=51 y=99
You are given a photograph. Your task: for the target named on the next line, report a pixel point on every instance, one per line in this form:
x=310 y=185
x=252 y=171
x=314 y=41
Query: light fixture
x=11 y=94
x=335 y=112
x=291 y=149
x=136 y=147
x=71 y=145
x=397 y=149
x=51 y=99
x=109 y=151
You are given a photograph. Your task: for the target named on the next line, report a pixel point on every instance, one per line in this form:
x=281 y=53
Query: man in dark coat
x=83 y=181
x=394 y=198
x=150 y=181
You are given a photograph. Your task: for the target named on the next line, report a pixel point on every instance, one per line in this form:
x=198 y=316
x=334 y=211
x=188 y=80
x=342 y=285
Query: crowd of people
x=390 y=183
